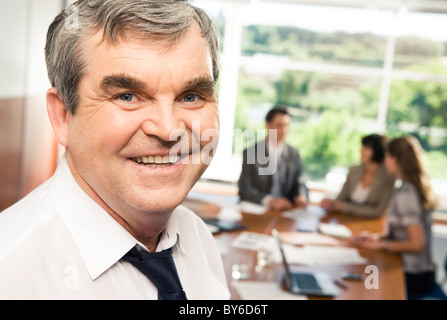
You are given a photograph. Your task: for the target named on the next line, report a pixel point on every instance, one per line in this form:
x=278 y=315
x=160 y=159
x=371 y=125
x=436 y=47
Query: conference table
x=390 y=276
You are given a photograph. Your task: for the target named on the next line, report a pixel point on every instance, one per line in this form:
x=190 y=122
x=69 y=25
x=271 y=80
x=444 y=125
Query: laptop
x=306 y=283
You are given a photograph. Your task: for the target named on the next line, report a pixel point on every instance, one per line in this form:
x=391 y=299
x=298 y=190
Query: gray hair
x=158 y=20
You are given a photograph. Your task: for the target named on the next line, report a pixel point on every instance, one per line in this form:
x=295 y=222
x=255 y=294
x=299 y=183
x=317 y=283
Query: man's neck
x=147 y=230
x=146 y=227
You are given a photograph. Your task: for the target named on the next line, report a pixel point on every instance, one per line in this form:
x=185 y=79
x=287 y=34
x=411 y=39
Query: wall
x=28 y=148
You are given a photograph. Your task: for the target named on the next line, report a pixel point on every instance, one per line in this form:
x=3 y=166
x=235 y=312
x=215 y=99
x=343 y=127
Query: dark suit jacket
x=254 y=185
x=379 y=196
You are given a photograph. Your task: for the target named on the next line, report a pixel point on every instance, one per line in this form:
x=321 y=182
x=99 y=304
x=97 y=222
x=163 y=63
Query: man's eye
x=190 y=98
x=126 y=97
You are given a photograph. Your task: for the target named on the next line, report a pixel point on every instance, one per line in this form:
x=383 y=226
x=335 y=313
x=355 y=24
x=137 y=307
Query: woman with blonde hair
x=409 y=216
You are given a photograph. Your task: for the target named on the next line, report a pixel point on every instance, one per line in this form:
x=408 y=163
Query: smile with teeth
x=157 y=161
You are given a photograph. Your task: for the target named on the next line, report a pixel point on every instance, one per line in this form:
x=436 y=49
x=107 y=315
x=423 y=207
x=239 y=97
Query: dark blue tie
x=160 y=268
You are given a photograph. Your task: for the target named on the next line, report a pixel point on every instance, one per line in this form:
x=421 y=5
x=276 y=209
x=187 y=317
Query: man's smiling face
x=133 y=96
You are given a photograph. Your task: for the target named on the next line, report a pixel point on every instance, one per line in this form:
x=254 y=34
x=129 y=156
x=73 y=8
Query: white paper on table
x=335 y=230
x=250 y=207
x=253 y=241
x=309 y=238
x=308 y=218
x=258 y=241
x=263 y=290
x=325 y=255
x=311 y=211
x=322 y=255
x=229 y=213
x=294 y=255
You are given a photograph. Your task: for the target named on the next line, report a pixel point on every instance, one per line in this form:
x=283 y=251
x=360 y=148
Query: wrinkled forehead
x=132 y=58
x=129 y=37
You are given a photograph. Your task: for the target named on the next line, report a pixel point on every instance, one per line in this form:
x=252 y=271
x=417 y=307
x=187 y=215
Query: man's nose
x=163 y=121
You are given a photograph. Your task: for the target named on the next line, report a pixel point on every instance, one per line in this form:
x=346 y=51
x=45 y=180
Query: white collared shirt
x=275 y=190
x=360 y=194
x=57 y=243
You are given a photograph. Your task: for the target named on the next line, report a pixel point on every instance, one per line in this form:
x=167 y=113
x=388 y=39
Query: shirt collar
x=171 y=235
x=276 y=148
x=101 y=240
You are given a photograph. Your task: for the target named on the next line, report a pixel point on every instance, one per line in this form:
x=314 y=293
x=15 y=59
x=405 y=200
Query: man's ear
x=58 y=115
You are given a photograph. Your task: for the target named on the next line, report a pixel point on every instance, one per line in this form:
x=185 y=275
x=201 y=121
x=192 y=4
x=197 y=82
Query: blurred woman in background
x=368 y=187
x=409 y=217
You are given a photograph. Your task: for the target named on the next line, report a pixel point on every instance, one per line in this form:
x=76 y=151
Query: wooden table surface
x=389 y=266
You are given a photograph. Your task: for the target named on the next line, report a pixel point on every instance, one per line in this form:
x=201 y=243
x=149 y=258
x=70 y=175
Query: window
x=343 y=72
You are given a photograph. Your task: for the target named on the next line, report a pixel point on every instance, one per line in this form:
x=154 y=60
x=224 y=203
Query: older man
x=131 y=80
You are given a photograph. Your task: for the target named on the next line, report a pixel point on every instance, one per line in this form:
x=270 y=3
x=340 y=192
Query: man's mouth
x=158 y=161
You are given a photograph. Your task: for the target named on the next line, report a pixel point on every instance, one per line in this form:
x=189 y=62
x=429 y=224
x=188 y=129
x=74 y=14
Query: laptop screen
x=289 y=276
